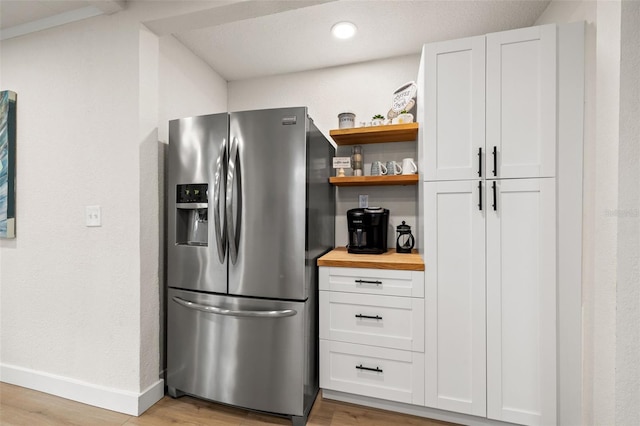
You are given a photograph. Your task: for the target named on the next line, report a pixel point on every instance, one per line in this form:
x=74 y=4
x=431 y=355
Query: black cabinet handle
x=495 y=204
x=360 y=367
x=480 y=195
x=480 y=162
x=495 y=160
x=369 y=282
x=377 y=317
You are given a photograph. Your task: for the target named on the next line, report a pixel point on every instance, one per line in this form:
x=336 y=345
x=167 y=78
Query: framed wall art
x=7 y=164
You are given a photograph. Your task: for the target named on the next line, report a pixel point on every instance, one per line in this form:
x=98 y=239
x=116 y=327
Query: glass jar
x=404 y=238
x=357 y=160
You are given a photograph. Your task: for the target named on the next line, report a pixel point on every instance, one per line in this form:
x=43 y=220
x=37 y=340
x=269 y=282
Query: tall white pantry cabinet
x=488 y=148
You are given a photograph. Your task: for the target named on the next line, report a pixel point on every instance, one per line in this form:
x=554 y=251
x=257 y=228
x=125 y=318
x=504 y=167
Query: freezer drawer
x=251 y=353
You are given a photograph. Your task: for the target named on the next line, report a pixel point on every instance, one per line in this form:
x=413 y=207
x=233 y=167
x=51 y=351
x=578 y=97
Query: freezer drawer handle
x=369 y=282
x=377 y=317
x=377 y=369
x=229 y=312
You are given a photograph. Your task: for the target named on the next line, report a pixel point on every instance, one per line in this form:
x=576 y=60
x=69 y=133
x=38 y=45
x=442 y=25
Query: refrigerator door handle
x=221 y=234
x=234 y=313
x=233 y=226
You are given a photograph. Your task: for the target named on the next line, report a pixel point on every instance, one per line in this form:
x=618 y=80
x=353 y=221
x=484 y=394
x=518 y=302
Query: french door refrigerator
x=250 y=209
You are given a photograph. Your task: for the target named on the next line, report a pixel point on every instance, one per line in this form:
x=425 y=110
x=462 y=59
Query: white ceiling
x=243 y=39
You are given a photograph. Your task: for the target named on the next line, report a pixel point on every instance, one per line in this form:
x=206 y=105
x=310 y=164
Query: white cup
x=408 y=166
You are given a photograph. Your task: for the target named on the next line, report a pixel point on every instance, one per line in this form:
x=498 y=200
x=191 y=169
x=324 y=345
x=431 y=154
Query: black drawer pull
x=369 y=282
x=360 y=367
x=377 y=317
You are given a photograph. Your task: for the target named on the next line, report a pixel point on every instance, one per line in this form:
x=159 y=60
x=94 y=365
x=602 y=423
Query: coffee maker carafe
x=367 y=230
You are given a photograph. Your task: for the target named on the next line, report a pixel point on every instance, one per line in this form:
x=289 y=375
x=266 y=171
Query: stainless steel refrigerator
x=250 y=209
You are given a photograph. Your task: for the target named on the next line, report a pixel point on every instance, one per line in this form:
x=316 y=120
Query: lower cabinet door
x=455 y=351
x=383 y=373
x=521 y=303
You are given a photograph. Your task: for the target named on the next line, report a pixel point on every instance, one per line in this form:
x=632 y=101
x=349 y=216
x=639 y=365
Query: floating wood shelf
x=374 y=180
x=376 y=134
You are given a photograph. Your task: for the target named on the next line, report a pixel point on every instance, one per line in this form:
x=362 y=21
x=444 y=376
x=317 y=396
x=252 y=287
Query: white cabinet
x=372 y=328
x=383 y=373
x=455 y=297
x=521 y=103
x=521 y=302
x=489 y=146
x=454 y=124
x=502 y=85
x=500 y=253
x=370 y=319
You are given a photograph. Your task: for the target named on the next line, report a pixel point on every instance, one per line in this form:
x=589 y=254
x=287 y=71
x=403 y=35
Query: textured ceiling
x=243 y=39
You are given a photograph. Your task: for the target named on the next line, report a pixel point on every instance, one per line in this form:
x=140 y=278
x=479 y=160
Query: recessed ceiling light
x=343 y=30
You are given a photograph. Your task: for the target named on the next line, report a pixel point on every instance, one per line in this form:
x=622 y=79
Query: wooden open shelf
x=376 y=134
x=374 y=180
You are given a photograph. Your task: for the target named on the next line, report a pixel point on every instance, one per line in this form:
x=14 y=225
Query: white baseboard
x=131 y=403
x=413 y=410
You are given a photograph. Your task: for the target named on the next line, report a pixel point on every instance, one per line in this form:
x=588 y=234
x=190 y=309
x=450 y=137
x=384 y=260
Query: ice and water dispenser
x=192 y=214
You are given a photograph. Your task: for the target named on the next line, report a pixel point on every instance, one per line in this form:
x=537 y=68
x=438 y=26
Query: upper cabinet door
x=454 y=90
x=521 y=103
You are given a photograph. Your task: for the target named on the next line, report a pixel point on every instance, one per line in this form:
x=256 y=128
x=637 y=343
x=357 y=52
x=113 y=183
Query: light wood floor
x=20 y=406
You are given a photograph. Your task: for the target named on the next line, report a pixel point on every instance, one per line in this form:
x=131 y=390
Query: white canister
x=408 y=166
x=346 y=120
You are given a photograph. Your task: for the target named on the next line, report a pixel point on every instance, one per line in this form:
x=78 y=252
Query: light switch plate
x=93 y=216
x=363 y=201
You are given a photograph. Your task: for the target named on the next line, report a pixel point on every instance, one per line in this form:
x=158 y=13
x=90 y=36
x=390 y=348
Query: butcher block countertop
x=389 y=260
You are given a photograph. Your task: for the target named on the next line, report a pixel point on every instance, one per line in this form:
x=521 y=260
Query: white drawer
x=387 y=321
x=390 y=282
x=370 y=371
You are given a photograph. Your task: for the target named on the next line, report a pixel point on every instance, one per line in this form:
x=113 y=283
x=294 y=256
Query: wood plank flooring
x=21 y=406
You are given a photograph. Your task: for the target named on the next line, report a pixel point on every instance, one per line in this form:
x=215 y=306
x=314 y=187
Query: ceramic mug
x=378 y=169
x=408 y=166
x=394 y=168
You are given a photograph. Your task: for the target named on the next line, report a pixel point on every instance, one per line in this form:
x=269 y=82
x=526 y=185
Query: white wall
x=628 y=251
x=611 y=237
x=188 y=86
x=70 y=301
x=364 y=89
x=79 y=306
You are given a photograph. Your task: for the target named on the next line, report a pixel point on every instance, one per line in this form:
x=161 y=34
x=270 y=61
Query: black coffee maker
x=367 y=230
